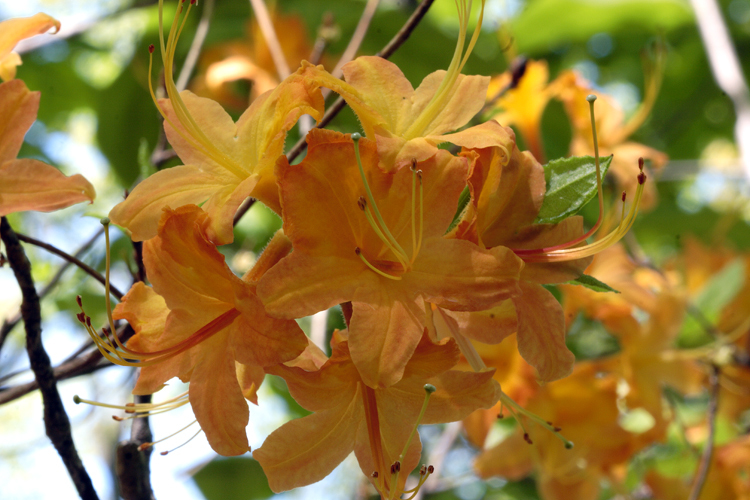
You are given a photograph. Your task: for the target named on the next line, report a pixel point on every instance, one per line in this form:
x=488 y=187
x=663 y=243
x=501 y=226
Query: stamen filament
x=386 y=242
x=367 y=263
x=508 y=401
x=149 y=445
x=371 y=200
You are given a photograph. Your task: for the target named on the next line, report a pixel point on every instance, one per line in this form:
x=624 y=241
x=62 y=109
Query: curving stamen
x=192 y=133
x=367 y=263
x=139 y=410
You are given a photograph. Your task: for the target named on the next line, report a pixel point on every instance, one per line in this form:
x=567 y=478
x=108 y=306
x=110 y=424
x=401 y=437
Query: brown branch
x=356 y=40
x=73 y=260
x=79 y=365
x=326 y=32
x=9 y=324
x=387 y=51
x=272 y=41
x=196 y=46
x=705 y=464
x=56 y=421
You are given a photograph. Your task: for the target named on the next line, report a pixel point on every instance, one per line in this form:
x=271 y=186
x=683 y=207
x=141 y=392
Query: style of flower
x=27 y=184
x=13 y=31
x=375 y=238
x=225 y=162
x=202 y=323
x=376 y=423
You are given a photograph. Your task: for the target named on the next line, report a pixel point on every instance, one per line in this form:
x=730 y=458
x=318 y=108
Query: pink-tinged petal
x=13 y=31
x=548 y=235
x=541 y=333
x=250 y=378
x=217 y=400
x=19 y=107
x=467 y=96
x=384 y=331
x=171 y=188
x=307 y=449
x=459 y=275
x=490 y=326
x=259 y=339
x=33 y=185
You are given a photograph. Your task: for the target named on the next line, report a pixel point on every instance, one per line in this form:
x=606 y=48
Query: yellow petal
x=19 y=107
x=13 y=31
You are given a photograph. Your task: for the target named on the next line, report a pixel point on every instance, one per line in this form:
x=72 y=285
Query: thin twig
x=387 y=51
x=9 y=324
x=56 y=421
x=196 y=46
x=437 y=457
x=713 y=404
x=80 y=365
x=82 y=265
x=272 y=41
x=324 y=37
x=246 y=205
x=356 y=40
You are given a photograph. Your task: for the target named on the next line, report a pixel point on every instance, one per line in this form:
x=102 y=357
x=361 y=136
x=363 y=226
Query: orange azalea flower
x=201 y=323
x=613 y=132
x=225 y=162
x=585 y=407
x=342 y=253
x=30 y=184
x=408 y=124
x=13 y=31
x=507 y=188
x=250 y=60
x=375 y=423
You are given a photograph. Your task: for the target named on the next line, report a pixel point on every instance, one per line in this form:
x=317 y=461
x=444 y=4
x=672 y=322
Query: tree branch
x=705 y=464
x=56 y=421
x=73 y=260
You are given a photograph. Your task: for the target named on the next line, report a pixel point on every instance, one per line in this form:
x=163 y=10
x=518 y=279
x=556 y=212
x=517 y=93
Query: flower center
x=375 y=219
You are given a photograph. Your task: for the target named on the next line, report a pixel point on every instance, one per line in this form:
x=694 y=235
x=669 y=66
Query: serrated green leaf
x=571 y=183
x=591 y=283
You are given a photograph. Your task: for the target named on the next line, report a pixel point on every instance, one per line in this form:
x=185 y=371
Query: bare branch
x=73 y=260
x=705 y=464
x=272 y=41
x=56 y=421
x=196 y=46
x=359 y=34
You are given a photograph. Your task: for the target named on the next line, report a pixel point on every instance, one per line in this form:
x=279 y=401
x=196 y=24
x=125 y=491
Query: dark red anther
x=362 y=203
x=413 y=163
x=641 y=178
x=79 y=300
x=88 y=321
x=374 y=474
x=527 y=438
x=164 y=453
x=151 y=49
x=640 y=163
x=192 y=2
x=81 y=317
x=549 y=423
x=557 y=429
x=500 y=415
x=624 y=195
x=423 y=470
x=357 y=250
x=430 y=469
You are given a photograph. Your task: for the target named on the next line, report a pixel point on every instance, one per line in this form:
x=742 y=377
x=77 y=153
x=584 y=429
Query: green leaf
x=571 y=183
x=233 y=478
x=591 y=283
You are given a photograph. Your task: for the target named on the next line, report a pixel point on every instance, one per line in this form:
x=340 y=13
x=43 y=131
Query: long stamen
x=193 y=134
x=429 y=389
x=371 y=200
x=367 y=263
x=368 y=214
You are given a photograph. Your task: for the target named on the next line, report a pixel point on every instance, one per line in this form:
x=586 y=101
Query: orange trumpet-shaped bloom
x=407 y=123
x=341 y=253
x=13 y=31
x=507 y=190
x=225 y=162
x=375 y=423
x=202 y=323
x=27 y=184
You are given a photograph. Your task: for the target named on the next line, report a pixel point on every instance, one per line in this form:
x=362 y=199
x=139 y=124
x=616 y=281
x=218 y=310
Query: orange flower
x=201 y=323
x=406 y=123
x=342 y=253
x=30 y=184
x=225 y=162
x=375 y=423
x=13 y=31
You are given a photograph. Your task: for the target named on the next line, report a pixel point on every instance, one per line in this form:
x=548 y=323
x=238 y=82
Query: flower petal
x=307 y=449
x=20 y=107
x=13 y=31
x=33 y=185
x=541 y=332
